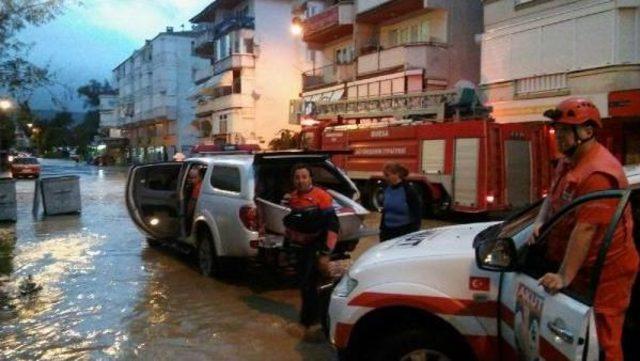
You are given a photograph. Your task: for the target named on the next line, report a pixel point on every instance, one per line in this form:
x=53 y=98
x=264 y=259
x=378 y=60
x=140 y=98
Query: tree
x=85 y=131
x=91 y=93
x=52 y=133
x=288 y=140
x=18 y=76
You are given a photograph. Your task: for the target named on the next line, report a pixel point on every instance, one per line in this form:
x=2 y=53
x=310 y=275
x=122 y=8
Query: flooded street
x=107 y=295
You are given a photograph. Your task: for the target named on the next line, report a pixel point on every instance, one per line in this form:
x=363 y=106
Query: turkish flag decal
x=479 y=283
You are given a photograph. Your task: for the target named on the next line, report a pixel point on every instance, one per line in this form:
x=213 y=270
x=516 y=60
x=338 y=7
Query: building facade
x=536 y=53
x=372 y=57
x=153 y=88
x=112 y=138
x=254 y=60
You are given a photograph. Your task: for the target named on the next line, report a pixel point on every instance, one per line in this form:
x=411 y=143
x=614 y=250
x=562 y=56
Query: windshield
x=25 y=161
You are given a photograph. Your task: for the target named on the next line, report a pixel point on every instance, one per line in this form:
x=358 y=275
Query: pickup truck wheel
x=416 y=344
x=207 y=257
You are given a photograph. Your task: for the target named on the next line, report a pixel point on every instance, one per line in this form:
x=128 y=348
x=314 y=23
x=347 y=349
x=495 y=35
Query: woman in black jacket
x=402 y=209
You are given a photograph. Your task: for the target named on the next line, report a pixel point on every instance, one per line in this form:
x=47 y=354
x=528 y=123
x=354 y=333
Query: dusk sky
x=87 y=41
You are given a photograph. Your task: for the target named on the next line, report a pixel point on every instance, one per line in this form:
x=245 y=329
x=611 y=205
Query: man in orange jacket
x=589 y=167
x=312 y=228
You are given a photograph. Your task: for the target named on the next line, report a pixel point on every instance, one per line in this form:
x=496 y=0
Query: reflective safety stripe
x=441 y=305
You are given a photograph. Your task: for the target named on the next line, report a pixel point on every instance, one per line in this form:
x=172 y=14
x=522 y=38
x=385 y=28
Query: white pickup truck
x=470 y=292
x=238 y=212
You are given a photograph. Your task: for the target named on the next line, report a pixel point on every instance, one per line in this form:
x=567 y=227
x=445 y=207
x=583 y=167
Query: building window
x=344 y=55
x=248 y=45
x=406 y=33
x=222 y=124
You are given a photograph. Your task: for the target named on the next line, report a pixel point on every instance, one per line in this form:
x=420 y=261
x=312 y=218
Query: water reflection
x=245 y=317
x=105 y=295
x=7 y=244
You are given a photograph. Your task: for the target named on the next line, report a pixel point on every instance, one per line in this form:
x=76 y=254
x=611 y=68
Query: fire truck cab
x=470 y=292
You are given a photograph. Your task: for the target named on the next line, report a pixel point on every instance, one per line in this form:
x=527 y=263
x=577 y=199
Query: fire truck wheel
x=417 y=344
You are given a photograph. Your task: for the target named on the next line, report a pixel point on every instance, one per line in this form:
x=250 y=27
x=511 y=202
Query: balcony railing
x=334 y=22
x=167 y=112
x=224 y=102
x=235 y=61
x=409 y=56
x=203 y=44
x=232 y=23
x=401 y=106
x=326 y=75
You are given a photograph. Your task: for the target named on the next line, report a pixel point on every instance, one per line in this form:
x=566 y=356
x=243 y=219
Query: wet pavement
x=107 y=295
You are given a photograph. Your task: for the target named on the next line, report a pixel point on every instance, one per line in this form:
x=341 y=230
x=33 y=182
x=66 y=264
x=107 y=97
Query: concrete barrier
x=8 y=210
x=60 y=195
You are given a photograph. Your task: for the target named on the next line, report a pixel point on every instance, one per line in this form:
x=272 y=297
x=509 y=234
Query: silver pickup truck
x=237 y=212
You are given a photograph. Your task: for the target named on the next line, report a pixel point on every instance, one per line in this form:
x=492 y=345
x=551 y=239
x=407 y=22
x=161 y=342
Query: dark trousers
x=389 y=233
x=308 y=280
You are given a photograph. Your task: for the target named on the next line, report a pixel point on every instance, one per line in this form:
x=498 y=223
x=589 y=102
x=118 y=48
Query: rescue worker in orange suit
x=312 y=229
x=574 y=243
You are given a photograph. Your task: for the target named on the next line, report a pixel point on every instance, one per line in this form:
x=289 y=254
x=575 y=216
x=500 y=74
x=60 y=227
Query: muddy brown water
x=107 y=295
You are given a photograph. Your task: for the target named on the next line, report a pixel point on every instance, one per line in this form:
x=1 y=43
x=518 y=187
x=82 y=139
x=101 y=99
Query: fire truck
x=467 y=164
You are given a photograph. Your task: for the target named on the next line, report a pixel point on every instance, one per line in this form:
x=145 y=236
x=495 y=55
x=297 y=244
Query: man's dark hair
x=298 y=166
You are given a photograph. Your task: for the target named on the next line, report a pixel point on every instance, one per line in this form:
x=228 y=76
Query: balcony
x=377 y=11
x=230 y=101
x=433 y=57
x=164 y=112
x=327 y=75
x=232 y=23
x=333 y=23
x=203 y=73
x=235 y=61
x=203 y=44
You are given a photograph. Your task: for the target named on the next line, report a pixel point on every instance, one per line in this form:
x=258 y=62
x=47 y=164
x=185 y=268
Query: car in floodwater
x=238 y=212
x=25 y=167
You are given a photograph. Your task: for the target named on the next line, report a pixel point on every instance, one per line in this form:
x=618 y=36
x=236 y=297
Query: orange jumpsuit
x=316 y=197
x=598 y=170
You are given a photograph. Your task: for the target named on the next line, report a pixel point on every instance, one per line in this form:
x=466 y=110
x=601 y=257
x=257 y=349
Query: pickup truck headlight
x=345 y=286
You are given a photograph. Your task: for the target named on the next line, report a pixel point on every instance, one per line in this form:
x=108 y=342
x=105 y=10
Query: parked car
x=470 y=292
x=238 y=212
x=102 y=160
x=25 y=167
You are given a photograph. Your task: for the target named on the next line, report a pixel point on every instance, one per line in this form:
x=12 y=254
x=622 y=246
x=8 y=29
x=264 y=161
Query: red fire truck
x=473 y=165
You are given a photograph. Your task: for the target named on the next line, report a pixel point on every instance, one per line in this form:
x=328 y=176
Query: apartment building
x=536 y=53
x=369 y=56
x=153 y=88
x=112 y=137
x=243 y=98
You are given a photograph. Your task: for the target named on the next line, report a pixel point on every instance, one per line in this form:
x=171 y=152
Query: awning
x=217 y=81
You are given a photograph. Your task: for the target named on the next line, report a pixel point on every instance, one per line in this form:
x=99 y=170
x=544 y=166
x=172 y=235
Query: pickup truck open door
x=153 y=199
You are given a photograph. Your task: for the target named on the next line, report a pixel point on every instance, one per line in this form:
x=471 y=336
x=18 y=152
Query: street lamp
x=5 y=104
x=296 y=26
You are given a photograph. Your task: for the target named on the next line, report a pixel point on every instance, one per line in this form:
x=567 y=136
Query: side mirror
x=496 y=255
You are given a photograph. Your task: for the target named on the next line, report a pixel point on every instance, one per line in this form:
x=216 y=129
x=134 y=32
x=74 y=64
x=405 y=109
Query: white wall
x=572 y=36
x=278 y=67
